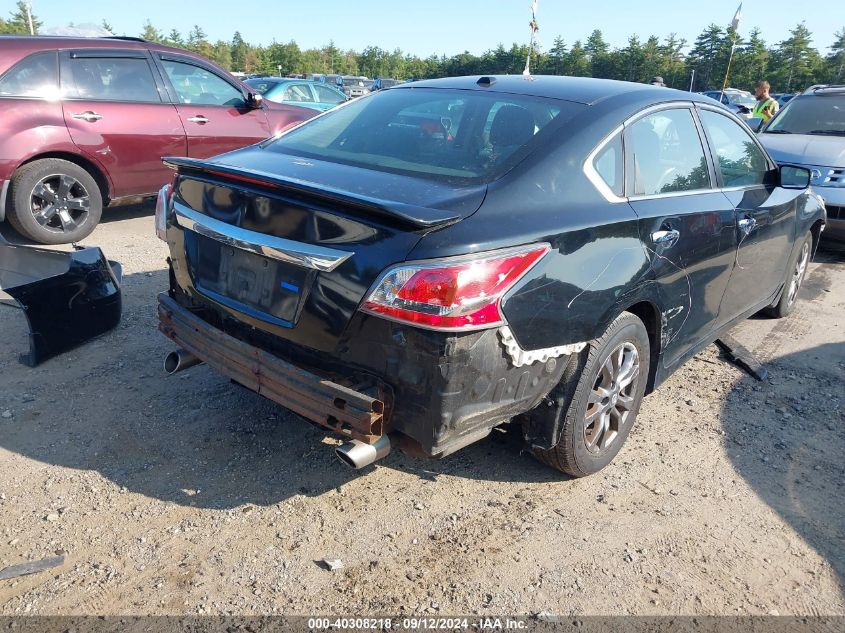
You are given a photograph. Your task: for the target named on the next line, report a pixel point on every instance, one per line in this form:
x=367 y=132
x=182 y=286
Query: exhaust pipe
x=178 y=360
x=357 y=454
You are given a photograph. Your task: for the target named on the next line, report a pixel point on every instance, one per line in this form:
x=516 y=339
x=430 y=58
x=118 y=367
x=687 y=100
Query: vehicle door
x=118 y=114
x=686 y=224
x=765 y=213
x=326 y=98
x=214 y=110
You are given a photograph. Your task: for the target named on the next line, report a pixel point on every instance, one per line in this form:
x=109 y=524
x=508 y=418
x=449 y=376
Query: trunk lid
x=294 y=250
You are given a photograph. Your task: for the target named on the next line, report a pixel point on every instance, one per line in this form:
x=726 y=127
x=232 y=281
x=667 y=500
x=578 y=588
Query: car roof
x=582 y=90
x=25 y=44
x=825 y=89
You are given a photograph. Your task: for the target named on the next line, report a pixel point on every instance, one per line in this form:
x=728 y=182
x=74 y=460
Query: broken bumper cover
x=67 y=297
x=341 y=409
x=433 y=392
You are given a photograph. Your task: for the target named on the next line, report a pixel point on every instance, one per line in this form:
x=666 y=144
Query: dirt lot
x=189 y=494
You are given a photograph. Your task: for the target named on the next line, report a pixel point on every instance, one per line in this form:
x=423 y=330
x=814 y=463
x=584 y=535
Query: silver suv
x=810 y=131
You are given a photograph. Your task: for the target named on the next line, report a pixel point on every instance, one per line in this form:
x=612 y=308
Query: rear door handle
x=746 y=225
x=89 y=116
x=198 y=119
x=666 y=239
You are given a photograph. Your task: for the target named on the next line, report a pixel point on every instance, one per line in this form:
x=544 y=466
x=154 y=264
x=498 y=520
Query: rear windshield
x=818 y=115
x=451 y=135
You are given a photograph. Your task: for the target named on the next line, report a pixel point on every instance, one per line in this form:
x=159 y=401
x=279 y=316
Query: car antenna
x=486 y=82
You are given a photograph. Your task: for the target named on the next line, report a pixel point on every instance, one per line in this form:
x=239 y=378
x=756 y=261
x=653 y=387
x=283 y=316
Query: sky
x=439 y=26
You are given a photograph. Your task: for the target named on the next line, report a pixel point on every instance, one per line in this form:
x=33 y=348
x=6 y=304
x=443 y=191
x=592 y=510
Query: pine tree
x=673 y=66
x=704 y=57
x=18 y=22
x=557 y=57
x=108 y=27
x=240 y=51
x=751 y=62
x=797 y=62
x=836 y=60
x=174 y=38
x=598 y=53
x=152 y=34
x=577 y=64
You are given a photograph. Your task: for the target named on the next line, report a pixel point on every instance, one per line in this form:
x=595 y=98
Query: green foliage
x=18 y=24
x=790 y=65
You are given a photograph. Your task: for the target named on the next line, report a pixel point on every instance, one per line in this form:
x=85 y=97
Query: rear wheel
x=795 y=273
x=54 y=201
x=606 y=401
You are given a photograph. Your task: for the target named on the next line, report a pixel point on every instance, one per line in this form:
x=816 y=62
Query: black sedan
x=417 y=267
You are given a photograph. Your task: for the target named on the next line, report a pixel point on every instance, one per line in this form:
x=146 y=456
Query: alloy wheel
x=612 y=398
x=798 y=273
x=60 y=203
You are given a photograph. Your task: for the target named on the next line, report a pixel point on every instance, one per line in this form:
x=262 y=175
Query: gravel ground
x=188 y=494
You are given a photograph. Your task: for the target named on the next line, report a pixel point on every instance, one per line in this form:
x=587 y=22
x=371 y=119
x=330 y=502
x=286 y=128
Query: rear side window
x=297 y=93
x=666 y=154
x=741 y=161
x=608 y=164
x=35 y=76
x=327 y=95
x=109 y=79
x=460 y=135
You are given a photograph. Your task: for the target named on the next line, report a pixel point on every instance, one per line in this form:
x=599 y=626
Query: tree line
x=790 y=65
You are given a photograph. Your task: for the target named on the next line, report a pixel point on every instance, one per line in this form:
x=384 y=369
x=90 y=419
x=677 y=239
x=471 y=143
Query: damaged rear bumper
x=432 y=392
x=341 y=409
x=66 y=297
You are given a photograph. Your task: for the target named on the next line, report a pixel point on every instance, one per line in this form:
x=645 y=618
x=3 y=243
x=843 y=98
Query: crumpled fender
x=67 y=297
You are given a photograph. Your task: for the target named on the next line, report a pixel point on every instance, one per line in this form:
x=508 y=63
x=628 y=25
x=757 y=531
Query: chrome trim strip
x=305 y=255
x=4 y=190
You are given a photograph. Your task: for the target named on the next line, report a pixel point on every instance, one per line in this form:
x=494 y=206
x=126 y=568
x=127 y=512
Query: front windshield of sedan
x=463 y=135
x=811 y=114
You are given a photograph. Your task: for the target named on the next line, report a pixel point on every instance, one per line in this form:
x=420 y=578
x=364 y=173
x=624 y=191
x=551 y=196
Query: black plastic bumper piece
x=67 y=298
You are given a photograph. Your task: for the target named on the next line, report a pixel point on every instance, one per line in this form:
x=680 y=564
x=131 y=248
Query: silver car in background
x=740 y=102
x=810 y=131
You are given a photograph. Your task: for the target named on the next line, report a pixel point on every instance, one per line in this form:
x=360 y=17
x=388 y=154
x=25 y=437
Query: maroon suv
x=84 y=124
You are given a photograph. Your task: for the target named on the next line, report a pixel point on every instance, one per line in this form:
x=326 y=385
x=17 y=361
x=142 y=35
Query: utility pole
x=28 y=5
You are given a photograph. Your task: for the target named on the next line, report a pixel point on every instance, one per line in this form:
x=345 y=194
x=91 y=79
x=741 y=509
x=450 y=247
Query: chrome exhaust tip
x=357 y=454
x=178 y=360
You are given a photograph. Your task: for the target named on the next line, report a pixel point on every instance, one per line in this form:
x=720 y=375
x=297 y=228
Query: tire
x=54 y=201
x=583 y=448
x=795 y=273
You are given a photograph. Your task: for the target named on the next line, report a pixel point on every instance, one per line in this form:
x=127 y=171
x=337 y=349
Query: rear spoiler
x=415 y=216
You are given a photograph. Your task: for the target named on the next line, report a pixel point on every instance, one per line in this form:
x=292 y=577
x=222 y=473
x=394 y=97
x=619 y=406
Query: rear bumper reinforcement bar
x=338 y=408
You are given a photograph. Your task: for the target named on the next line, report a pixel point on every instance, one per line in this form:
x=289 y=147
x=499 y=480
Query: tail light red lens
x=455 y=295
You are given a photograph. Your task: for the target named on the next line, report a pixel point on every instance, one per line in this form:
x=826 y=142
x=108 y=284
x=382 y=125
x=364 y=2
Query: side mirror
x=794 y=177
x=755 y=123
x=254 y=100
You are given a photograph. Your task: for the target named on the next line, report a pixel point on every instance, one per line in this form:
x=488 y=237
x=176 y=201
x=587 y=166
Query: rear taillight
x=162 y=216
x=452 y=294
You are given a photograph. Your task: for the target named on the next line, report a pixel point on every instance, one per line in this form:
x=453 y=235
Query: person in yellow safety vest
x=766 y=107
